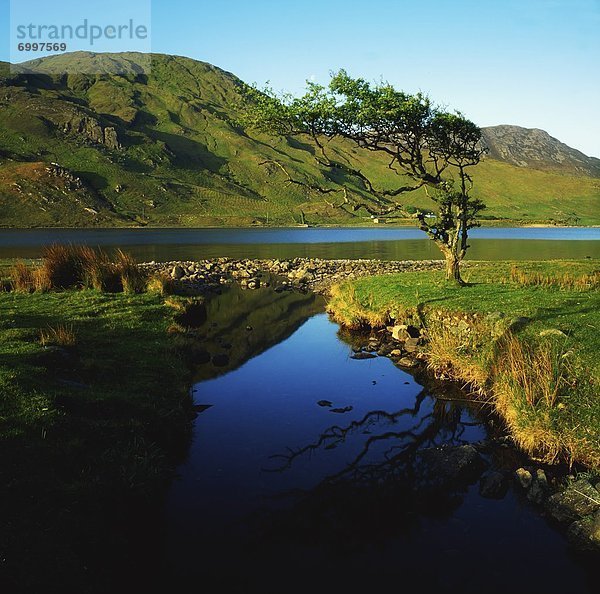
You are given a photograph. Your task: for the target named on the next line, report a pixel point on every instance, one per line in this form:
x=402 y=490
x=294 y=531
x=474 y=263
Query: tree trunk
x=453 y=269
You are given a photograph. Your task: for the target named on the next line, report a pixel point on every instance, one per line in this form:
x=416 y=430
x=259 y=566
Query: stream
x=313 y=470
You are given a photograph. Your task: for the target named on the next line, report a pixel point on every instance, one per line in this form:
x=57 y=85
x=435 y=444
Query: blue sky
x=534 y=63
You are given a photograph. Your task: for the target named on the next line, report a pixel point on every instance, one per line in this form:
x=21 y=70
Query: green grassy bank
x=525 y=336
x=94 y=415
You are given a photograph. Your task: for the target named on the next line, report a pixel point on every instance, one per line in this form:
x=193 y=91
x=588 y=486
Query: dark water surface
x=279 y=494
x=383 y=243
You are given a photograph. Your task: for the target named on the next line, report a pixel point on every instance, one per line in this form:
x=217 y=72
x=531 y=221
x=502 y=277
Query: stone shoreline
x=314 y=274
x=570 y=500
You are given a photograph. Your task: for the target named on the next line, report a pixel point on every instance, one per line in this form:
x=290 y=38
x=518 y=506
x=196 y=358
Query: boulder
x=524 y=478
x=585 y=533
x=447 y=466
x=539 y=487
x=411 y=345
x=407 y=362
x=577 y=500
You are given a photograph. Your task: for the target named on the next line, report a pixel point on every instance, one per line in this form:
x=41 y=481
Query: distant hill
x=165 y=149
x=530 y=147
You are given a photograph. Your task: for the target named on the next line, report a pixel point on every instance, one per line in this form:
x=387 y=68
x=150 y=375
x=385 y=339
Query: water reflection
x=283 y=494
x=241 y=324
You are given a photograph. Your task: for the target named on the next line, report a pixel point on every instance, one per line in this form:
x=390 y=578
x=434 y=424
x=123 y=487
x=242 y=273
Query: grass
x=95 y=412
x=526 y=335
x=185 y=162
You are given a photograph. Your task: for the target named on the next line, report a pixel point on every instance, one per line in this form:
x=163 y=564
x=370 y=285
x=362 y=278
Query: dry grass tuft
x=460 y=351
x=74 y=266
x=161 y=284
x=537 y=372
x=61 y=335
x=582 y=282
x=133 y=278
x=22 y=278
x=64 y=265
x=25 y=279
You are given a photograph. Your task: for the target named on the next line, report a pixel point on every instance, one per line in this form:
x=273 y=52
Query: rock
x=177 y=273
x=111 y=139
x=396 y=353
x=398 y=331
x=577 y=500
x=325 y=403
x=200 y=408
x=411 y=345
x=447 y=466
x=363 y=355
x=585 y=533
x=539 y=487
x=493 y=485
x=524 y=478
x=407 y=362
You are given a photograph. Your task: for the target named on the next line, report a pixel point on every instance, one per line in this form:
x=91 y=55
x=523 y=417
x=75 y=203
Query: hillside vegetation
x=165 y=149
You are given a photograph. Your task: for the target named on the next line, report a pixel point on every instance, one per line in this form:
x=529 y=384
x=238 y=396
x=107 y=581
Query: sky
x=532 y=63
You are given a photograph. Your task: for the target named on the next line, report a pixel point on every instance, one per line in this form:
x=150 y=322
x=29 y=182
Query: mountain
x=166 y=149
x=531 y=147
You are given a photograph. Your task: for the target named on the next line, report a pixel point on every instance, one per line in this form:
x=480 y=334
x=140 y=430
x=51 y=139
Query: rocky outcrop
x=525 y=147
x=92 y=130
x=71 y=181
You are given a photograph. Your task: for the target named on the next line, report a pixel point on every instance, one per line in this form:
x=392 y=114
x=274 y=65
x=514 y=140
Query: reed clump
x=133 y=278
x=81 y=267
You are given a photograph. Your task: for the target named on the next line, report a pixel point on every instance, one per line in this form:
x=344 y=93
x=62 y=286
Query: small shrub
x=61 y=335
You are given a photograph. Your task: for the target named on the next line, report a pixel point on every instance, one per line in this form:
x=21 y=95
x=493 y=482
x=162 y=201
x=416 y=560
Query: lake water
x=379 y=242
x=281 y=494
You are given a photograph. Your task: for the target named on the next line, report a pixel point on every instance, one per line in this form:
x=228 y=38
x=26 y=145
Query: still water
x=383 y=243
x=279 y=493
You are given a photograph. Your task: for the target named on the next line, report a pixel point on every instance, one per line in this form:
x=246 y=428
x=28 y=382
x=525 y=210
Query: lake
x=384 y=243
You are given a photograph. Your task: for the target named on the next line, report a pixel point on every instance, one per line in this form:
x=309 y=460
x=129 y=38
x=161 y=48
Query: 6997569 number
x=41 y=47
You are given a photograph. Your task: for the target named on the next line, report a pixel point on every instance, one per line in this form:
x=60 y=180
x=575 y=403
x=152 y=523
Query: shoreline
x=499 y=224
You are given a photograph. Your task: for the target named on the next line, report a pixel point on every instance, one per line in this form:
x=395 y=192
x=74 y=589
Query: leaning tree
x=426 y=145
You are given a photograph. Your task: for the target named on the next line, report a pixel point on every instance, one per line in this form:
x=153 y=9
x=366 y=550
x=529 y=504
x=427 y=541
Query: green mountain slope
x=164 y=149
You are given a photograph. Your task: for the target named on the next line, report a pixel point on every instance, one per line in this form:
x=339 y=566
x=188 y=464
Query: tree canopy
x=426 y=144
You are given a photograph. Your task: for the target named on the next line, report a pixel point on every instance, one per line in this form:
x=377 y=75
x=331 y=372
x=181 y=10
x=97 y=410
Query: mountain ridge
x=166 y=149
x=536 y=148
